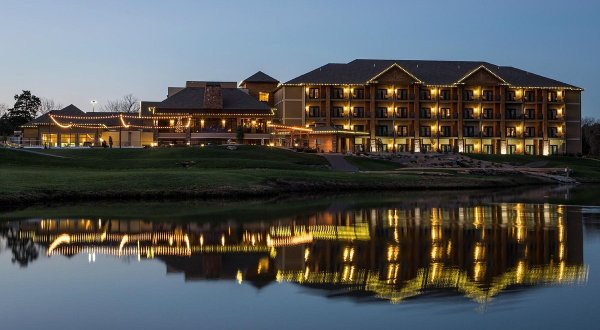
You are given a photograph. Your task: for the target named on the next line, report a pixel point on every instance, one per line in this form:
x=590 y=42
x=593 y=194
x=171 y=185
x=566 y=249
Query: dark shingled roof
x=69 y=110
x=191 y=99
x=360 y=71
x=260 y=77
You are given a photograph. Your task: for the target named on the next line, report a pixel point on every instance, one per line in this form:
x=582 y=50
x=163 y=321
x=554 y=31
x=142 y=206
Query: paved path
x=36 y=152
x=338 y=163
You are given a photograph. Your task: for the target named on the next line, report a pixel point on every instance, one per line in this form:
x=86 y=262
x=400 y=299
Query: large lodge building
x=364 y=105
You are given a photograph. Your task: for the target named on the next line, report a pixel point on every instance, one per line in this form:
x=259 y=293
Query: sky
x=78 y=51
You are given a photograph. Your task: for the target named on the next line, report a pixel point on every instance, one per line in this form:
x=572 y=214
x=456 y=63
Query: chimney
x=213 y=96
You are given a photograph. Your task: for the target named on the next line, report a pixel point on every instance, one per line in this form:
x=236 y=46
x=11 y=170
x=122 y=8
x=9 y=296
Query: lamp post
x=97 y=140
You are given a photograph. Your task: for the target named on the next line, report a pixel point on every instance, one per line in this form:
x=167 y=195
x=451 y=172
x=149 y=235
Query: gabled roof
x=69 y=110
x=481 y=67
x=260 y=77
x=191 y=99
x=361 y=71
x=395 y=65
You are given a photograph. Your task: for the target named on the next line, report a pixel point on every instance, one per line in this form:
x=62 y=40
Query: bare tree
x=590 y=136
x=131 y=103
x=3 y=109
x=49 y=105
x=128 y=103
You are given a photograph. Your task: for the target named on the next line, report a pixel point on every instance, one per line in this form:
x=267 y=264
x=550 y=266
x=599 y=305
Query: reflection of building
x=389 y=253
x=414 y=105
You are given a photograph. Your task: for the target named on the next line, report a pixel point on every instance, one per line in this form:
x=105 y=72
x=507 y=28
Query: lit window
x=263 y=97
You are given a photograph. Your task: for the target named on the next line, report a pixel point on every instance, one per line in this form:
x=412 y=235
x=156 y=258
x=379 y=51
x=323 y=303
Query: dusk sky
x=76 y=51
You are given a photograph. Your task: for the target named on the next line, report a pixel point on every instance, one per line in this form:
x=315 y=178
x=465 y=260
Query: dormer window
x=263 y=97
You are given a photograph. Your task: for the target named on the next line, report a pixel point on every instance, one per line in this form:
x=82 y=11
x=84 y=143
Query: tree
x=25 y=109
x=3 y=109
x=128 y=103
x=26 y=106
x=49 y=105
x=239 y=134
x=590 y=136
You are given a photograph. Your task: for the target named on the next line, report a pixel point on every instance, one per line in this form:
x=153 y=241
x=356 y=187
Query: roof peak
x=260 y=77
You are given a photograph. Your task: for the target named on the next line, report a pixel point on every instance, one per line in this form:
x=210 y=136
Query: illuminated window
x=263 y=97
x=511 y=132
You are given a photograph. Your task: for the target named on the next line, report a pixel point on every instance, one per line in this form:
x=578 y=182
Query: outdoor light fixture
x=93 y=102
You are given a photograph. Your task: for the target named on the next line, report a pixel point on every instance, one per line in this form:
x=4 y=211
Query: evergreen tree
x=239 y=134
x=25 y=109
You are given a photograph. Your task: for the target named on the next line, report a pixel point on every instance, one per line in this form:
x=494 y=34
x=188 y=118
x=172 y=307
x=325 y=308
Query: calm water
x=517 y=259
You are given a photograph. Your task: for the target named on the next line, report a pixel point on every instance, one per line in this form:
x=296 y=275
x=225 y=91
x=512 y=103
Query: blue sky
x=76 y=51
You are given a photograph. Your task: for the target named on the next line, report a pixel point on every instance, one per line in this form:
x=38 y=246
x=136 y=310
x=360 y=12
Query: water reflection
x=365 y=253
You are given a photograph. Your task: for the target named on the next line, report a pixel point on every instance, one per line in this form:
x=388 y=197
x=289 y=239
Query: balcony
x=492 y=98
x=556 y=117
x=449 y=117
x=448 y=98
x=490 y=134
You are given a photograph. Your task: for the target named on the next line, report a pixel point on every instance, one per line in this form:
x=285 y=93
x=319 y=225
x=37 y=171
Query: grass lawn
x=368 y=164
x=585 y=170
x=250 y=171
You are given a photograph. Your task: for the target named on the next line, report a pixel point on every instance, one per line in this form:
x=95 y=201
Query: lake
x=524 y=258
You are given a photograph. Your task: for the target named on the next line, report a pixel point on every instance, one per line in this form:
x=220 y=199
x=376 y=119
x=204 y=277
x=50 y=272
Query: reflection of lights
x=520 y=272
x=239 y=276
x=436 y=252
x=479 y=252
x=124 y=241
x=393 y=252
x=186 y=239
x=62 y=239
x=348 y=254
x=479 y=271
x=561 y=251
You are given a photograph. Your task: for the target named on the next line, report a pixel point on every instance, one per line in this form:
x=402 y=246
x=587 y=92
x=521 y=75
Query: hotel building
x=199 y=113
x=422 y=106
x=212 y=112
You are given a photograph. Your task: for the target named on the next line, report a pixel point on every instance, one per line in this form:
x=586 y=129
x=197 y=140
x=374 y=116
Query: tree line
x=590 y=136
x=28 y=106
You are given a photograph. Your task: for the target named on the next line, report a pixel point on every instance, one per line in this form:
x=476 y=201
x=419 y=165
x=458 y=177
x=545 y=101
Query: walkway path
x=36 y=152
x=338 y=163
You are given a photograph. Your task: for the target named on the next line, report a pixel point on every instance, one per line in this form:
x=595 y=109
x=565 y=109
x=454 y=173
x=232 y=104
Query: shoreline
x=277 y=187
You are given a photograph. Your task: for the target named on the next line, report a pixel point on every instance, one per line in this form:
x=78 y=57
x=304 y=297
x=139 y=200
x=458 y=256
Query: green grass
x=585 y=170
x=145 y=174
x=368 y=164
x=167 y=158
